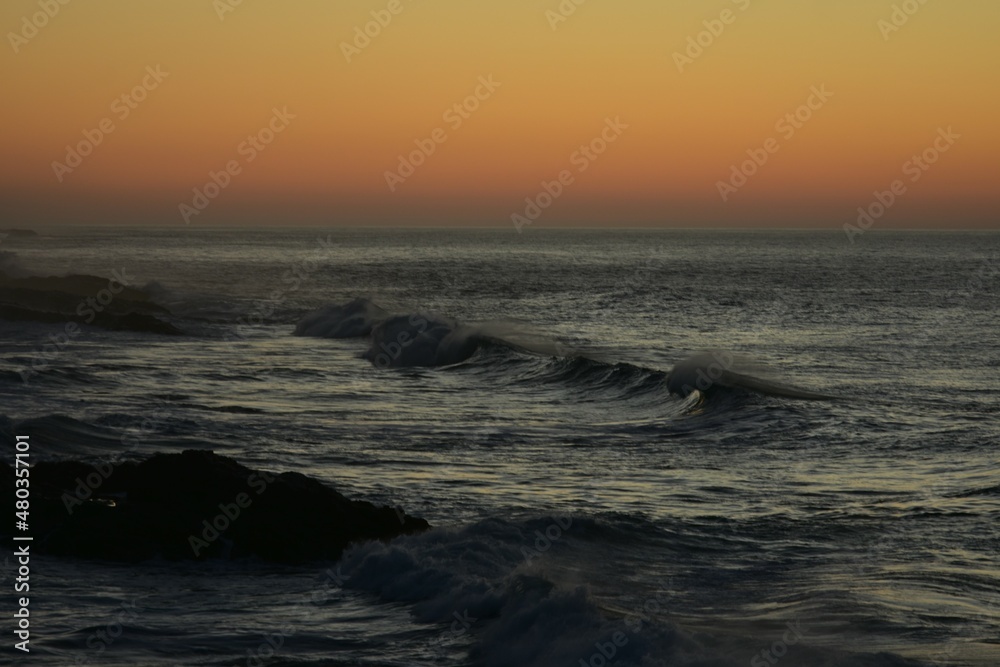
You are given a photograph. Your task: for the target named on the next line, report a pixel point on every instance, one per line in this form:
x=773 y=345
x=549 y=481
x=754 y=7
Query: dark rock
x=77 y=285
x=194 y=505
x=57 y=299
x=130 y=321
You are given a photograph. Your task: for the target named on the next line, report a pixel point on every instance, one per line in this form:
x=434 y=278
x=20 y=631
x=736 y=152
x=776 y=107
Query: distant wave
x=431 y=340
x=416 y=339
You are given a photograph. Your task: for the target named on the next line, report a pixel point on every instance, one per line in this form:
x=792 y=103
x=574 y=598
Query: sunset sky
x=227 y=67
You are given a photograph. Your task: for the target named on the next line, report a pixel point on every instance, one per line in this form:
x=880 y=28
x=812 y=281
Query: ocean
x=837 y=504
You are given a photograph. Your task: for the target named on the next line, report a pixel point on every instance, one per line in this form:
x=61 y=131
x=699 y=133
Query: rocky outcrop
x=194 y=505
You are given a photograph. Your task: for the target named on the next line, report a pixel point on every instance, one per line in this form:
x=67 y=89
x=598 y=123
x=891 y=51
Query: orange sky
x=227 y=68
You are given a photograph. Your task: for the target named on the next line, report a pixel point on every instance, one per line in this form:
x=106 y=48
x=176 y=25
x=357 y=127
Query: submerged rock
x=194 y=505
x=81 y=299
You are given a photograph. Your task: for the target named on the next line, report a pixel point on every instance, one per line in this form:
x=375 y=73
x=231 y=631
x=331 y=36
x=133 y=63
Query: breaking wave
x=500 y=587
x=431 y=340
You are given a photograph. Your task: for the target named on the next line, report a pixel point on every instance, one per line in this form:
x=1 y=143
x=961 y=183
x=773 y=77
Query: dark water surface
x=575 y=501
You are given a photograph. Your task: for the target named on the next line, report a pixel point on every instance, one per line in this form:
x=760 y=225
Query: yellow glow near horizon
x=231 y=64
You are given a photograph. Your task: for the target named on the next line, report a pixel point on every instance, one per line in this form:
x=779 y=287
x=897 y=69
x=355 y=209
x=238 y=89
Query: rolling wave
x=430 y=340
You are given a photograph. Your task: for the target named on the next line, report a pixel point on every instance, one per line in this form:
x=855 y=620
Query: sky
x=540 y=113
